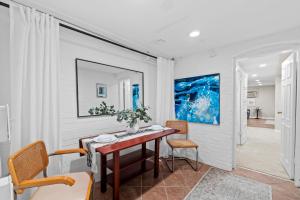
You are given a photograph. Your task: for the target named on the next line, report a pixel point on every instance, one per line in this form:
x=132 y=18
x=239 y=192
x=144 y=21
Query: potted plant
x=103 y=110
x=132 y=118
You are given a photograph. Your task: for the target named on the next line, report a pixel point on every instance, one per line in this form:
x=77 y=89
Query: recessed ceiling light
x=263 y=65
x=194 y=33
x=254 y=75
x=257 y=80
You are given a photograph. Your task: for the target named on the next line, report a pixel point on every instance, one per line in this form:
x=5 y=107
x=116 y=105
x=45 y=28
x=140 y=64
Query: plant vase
x=133 y=117
x=134 y=129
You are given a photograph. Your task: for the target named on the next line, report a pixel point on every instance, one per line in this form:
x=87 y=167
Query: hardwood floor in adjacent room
x=175 y=186
x=262 y=123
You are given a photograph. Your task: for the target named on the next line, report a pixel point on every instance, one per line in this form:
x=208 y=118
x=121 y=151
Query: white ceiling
x=265 y=74
x=162 y=26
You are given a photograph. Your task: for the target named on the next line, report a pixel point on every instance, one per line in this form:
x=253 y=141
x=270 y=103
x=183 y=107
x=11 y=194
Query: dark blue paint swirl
x=197 y=99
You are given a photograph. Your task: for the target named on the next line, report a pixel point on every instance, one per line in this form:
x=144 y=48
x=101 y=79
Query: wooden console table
x=132 y=164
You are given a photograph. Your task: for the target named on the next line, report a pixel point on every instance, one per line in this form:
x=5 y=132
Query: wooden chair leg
x=92 y=190
x=15 y=195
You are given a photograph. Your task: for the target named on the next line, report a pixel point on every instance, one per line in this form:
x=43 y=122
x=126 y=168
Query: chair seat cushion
x=79 y=191
x=182 y=143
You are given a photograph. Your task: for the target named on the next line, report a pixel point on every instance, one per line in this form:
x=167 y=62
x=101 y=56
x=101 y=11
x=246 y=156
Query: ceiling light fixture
x=257 y=80
x=254 y=75
x=194 y=34
x=262 y=65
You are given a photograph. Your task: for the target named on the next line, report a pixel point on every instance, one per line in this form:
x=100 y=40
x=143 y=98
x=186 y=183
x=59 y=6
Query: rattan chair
x=33 y=159
x=182 y=126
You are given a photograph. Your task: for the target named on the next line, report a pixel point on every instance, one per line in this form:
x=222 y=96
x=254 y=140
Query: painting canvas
x=197 y=99
x=135 y=96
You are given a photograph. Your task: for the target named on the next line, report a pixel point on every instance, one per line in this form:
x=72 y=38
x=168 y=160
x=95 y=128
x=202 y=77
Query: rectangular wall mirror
x=116 y=86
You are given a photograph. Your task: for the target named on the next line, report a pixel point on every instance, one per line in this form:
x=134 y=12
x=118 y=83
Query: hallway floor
x=262 y=123
x=261 y=152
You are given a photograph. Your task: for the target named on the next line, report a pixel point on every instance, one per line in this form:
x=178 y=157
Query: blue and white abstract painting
x=197 y=99
x=135 y=96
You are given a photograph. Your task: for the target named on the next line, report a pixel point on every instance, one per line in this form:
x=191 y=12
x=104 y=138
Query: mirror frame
x=77 y=92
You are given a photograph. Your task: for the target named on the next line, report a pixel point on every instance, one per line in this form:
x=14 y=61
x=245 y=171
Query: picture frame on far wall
x=101 y=90
x=251 y=94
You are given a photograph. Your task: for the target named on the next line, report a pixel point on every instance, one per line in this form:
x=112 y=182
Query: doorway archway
x=265 y=50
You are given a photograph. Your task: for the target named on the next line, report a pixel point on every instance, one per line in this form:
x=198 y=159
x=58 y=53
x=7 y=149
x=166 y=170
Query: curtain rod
x=89 y=33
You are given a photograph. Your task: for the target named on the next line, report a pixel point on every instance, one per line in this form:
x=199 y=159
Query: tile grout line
x=166 y=193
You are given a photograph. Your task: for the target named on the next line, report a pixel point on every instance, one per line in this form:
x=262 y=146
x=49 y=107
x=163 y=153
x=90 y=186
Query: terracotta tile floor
x=175 y=186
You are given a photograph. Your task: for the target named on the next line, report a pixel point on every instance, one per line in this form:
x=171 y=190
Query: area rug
x=218 y=184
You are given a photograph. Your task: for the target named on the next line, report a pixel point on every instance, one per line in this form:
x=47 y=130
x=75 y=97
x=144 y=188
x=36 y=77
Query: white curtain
x=34 y=60
x=165 y=95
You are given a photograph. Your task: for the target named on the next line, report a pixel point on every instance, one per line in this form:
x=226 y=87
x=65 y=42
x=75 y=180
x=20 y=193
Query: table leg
x=103 y=173
x=116 y=188
x=144 y=155
x=156 y=158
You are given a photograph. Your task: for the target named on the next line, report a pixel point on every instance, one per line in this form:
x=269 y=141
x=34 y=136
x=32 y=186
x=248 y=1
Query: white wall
x=265 y=100
x=75 y=45
x=216 y=142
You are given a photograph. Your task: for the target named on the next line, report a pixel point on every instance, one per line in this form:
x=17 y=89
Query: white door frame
x=293 y=46
x=241 y=76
